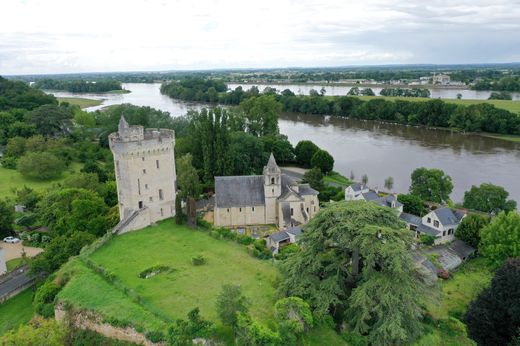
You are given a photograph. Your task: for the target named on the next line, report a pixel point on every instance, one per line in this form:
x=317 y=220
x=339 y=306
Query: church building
x=145 y=175
x=270 y=198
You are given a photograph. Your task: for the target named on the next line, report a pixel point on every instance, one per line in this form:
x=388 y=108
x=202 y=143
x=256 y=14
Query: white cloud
x=53 y=36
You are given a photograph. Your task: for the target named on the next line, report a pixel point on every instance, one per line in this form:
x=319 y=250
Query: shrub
x=427 y=239
x=355 y=339
x=9 y=162
x=155 y=336
x=152 y=271
x=42 y=166
x=244 y=239
x=44 y=298
x=198 y=260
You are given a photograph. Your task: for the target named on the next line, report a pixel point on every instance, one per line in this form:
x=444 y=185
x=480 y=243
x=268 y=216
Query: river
x=341 y=90
x=376 y=149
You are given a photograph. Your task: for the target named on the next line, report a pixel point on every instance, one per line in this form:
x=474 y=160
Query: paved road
x=14 y=281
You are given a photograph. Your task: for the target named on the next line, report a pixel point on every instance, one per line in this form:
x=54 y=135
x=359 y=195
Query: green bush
x=44 y=298
x=198 y=260
x=355 y=339
x=155 y=336
x=152 y=271
x=427 y=239
x=244 y=239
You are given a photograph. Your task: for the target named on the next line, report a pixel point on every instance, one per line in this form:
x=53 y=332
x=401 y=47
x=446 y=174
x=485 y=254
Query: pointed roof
x=271 y=165
x=123 y=125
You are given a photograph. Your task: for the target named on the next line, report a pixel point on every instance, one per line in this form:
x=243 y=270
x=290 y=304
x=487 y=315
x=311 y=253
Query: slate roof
x=306 y=189
x=358 y=187
x=286 y=213
x=279 y=236
x=386 y=201
x=428 y=230
x=411 y=219
x=370 y=195
x=296 y=231
x=448 y=217
x=239 y=191
x=462 y=249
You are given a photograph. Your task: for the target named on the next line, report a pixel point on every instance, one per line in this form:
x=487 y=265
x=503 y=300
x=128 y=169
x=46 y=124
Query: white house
x=361 y=192
x=440 y=223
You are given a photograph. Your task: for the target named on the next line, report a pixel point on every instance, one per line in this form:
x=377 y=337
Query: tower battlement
x=145 y=173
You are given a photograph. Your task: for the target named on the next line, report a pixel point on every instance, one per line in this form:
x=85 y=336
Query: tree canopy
x=488 y=198
x=431 y=185
x=501 y=238
x=322 y=160
x=355 y=261
x=304 y=152
x=470 y=228
x=493 y=318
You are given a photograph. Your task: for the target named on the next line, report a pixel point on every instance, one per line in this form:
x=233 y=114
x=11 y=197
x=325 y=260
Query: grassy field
x=512 y=106
x=11 y=179
x=79 y=101
x=15 y=262
x=175 y=293
x=511 y=138
x=456 y=294
x=16 y=311
x=188 y=286
x=336 y=178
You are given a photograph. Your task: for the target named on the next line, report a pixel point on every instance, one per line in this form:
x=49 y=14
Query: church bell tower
x=272 y=188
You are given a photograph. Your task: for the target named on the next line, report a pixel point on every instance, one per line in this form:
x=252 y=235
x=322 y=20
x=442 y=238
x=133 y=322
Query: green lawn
x=174 y=294
x=456 y=294
x=188 y=286
x=512 y=106
x=11 y=179
x=11 y=264
x=16 y=311
x=79 y=101
x=511 y=138
x=336 y=178
x=122 y=91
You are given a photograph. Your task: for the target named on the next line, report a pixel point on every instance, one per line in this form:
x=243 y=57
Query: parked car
x=11 y=240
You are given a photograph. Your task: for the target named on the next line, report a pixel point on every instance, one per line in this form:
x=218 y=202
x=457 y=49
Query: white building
x=145 y=175
x=442 y=79
x=361 y=192
x=441 y=223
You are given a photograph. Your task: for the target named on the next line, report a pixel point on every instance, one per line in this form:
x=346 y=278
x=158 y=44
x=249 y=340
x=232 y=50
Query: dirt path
x=12 y=251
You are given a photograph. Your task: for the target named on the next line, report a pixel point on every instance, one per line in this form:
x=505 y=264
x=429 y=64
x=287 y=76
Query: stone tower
x=145 y=175
x=272 y=188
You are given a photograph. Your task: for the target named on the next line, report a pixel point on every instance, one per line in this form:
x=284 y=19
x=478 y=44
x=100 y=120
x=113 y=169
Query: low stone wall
x=89 y=321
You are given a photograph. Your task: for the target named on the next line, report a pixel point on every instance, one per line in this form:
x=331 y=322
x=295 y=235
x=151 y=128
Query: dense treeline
x=78 y=86
x=194 y=89
x=405 y=92
x=18 y=95
x=508 y=83
x=436 y=113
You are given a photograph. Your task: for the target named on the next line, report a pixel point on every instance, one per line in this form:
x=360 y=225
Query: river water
x=376 y=149
x=340 y=90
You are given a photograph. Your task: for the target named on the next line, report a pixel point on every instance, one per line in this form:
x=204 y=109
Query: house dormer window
x=429 y=220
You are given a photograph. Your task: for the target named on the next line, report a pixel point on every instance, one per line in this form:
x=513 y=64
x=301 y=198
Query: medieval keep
x=271 y=198
x=145 y=175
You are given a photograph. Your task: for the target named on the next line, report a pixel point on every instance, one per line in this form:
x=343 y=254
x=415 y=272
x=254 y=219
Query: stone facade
x=145 y=175
x=270 y=198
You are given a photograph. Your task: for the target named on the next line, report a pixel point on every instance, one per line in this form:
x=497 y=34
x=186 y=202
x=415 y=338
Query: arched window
x=272 y=181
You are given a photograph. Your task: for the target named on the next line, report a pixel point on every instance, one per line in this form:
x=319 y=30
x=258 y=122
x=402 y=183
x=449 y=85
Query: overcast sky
x=62 y=36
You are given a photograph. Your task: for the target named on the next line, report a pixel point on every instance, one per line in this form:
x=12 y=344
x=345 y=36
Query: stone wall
x=89 y=321
x=240 y=216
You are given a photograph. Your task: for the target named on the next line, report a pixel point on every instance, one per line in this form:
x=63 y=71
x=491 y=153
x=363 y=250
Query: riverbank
x=509 y=105
x=81 y=102
x=351 y=84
